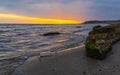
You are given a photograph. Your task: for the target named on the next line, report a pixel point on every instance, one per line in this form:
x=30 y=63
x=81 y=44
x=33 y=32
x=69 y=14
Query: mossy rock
x=98 y=26
x=51 y=34
x=93 y=50
x=94 y=28
x=100 y=40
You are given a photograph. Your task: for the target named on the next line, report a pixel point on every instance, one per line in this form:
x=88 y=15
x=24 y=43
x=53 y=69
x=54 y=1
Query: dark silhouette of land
x=102 y=21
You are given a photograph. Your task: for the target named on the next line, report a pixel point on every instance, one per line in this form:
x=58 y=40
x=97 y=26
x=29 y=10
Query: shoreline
x=72 y=45
x=74 y=62
x=13 y=63
x=63 y=53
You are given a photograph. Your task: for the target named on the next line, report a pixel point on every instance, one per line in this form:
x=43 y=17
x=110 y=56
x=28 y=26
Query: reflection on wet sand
x=69 y=49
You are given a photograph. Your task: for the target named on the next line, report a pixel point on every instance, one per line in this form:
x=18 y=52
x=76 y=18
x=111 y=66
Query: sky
x=58 y=11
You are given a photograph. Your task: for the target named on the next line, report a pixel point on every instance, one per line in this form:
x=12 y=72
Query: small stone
x=84 y=72
x=100 y=70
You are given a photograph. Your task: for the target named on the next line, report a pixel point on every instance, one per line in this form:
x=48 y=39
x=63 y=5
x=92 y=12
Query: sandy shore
x=74 y=62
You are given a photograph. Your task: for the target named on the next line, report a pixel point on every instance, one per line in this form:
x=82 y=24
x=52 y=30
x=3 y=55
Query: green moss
x=91 y=46
x=93 y=50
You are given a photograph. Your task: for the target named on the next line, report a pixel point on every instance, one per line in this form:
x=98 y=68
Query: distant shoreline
x=102 y=21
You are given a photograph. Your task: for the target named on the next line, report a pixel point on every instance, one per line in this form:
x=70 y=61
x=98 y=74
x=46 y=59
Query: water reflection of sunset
x=25 y=19
x=69 y=49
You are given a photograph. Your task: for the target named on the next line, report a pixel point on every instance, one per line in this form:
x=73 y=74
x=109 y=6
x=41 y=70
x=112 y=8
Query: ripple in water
x=27 y=39
x=18 y=42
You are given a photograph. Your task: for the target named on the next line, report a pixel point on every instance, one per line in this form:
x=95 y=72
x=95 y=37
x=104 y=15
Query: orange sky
x=13 y=18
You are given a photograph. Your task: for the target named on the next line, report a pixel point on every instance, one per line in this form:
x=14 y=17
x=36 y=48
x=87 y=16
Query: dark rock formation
x=78 y=27
x=100 y=40
x=51 y=34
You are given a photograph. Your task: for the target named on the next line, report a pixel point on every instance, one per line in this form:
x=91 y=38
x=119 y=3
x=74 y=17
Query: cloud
x=66 y=9
x=106 y=9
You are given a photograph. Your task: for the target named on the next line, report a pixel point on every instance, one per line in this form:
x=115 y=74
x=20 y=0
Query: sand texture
x=74 y=62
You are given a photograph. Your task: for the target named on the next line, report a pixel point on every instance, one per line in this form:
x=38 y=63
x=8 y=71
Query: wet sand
x=74 y=62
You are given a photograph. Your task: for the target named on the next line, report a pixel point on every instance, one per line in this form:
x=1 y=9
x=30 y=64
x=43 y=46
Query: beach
x=59 y=37
x=21 y=42
x=74 y=62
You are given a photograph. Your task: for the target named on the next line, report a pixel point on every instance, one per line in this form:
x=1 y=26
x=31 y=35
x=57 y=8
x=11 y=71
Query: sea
x=18 y=42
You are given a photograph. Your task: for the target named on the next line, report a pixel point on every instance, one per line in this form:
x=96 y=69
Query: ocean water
x=19 y=40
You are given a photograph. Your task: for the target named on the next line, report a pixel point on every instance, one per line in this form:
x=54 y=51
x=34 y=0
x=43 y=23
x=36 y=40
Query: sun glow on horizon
x=12 y=18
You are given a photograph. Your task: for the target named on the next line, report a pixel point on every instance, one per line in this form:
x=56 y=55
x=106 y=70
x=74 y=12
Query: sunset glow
x=25 y=19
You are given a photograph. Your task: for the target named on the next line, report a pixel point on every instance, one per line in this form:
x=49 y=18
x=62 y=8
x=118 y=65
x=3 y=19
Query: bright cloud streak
x=35 y=20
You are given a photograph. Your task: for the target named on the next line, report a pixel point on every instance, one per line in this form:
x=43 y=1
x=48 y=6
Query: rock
x=98 y=26
x=78 y=27
x=84 y=72
x=100 y=40
x=51 y=34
